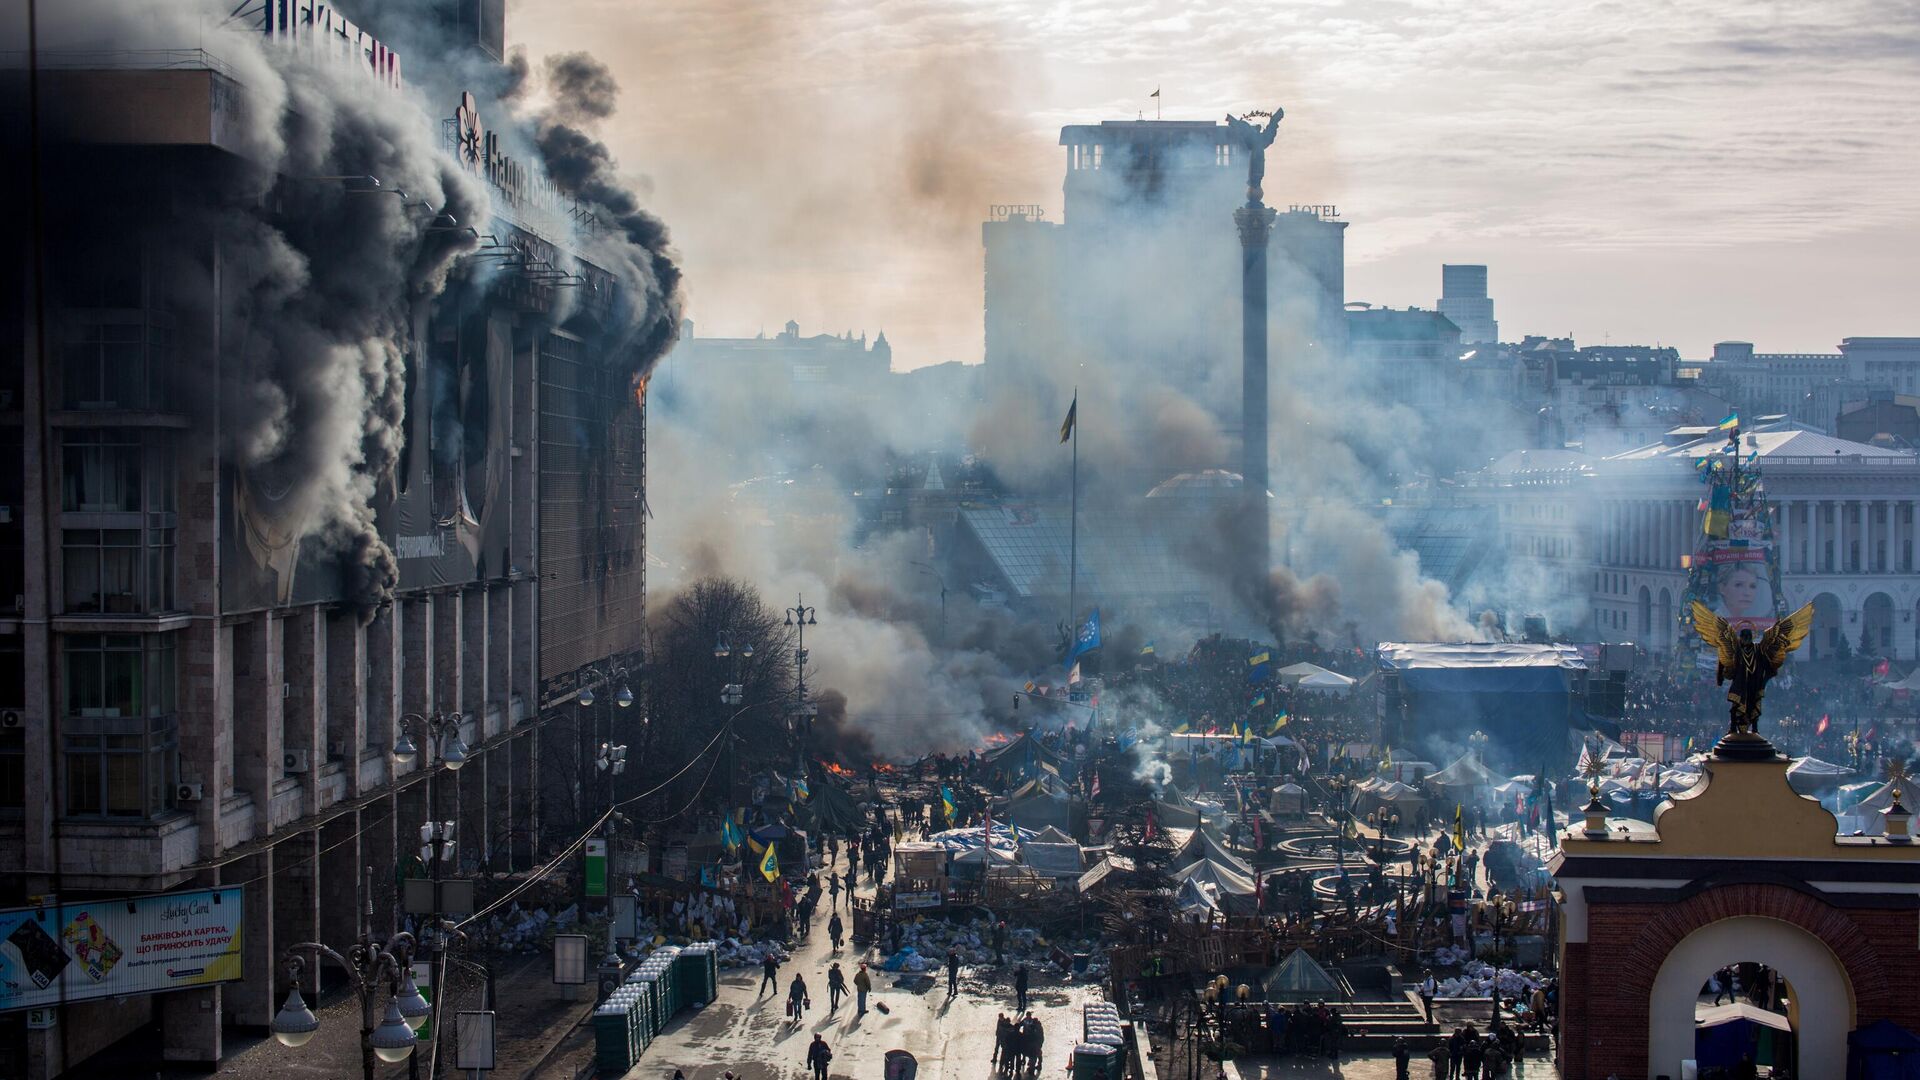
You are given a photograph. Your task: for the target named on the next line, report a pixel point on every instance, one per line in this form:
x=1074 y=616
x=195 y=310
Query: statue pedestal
x=1744 y=746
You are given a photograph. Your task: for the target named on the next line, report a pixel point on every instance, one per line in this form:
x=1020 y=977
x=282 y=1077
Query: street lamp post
x=392 y=1037
x=801 y=724
x=435 y=737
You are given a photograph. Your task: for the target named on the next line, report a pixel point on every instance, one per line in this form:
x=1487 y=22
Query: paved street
x=745 y=1031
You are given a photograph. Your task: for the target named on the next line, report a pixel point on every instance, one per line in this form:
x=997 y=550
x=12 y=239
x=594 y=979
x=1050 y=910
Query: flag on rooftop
x=1732 y=421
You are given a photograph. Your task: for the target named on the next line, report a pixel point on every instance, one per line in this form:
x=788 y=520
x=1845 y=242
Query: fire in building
x=316 y=447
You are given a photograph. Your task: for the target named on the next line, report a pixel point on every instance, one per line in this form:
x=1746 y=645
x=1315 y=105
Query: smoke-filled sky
x=1634 y=171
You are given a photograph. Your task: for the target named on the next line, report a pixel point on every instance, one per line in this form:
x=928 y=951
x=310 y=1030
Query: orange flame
x=640 y=391
x=838 y=769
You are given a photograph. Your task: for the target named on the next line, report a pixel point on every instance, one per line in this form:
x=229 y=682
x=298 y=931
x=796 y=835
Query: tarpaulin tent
x=1883 y=1050
x=1202 y=845
x=1229 y=881
x=1811 y=774
x=1327 y=682
x=1289 y=799
x=1467 y=773
x=830 y=810
x=1193 y=899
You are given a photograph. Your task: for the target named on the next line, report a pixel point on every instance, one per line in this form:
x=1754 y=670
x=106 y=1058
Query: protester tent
x=1811 y=774
x=1040 y=805
x=1301 y=978
x=1724 y=1034
x=1020 y=759
x=1202 y=845
x=1868 y=813
x=1465 y=775
x=1293 y=673
x=1327 y=682
x=1911 y=682
x=1228 y=881
x=1883 y=1050
x=829 y=810
x=1054 y=860
x=1288 y=800
x=1398 y=794
x=1193 y=899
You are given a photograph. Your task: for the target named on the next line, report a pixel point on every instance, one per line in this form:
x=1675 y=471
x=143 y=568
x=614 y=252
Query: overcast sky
x=1637 y=171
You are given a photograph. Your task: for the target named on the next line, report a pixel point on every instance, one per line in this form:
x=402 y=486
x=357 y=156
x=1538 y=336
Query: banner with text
x=111 y=948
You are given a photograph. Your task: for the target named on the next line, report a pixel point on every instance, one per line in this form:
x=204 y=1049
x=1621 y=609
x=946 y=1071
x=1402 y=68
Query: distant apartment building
x=1464 y=300
x=1144 y=269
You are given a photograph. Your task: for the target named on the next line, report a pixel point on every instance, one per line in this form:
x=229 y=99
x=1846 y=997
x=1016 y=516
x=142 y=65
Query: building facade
x=1613 y=531
x=203 y=693
x=1464 y=300
x=1141 y=279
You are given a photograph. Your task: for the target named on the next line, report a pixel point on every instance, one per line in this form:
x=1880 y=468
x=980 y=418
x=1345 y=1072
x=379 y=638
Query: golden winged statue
x=1747 y=665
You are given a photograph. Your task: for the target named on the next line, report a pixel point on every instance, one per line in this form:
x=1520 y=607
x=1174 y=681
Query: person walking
x=836 y=986
x=817 y=1057
x=833 y=891
x=862 y=984
x=1401 y=1057
x=953 y=974
x=768 y=966
x=835 y=928
x=1020 y=989
x=1000 y=942
x=797 y=998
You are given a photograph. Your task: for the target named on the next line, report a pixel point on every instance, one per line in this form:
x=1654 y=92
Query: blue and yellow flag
x=1732 y=421
x=730 y=832
x=1147 y=649
x=1247 y=735
x=946 y=801
x=769 y=864
x=1258 y=658
x=800 y=791
x=1183 y=728
x=1278 y=723
x=1258 y=700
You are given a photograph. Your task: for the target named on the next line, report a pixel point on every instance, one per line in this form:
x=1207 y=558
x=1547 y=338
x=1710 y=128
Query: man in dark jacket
x=768 y=966
x=953 y=974
x=817 y=1057
x=1020 y=989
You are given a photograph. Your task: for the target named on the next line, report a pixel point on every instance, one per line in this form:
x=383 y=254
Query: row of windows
x=120 y=748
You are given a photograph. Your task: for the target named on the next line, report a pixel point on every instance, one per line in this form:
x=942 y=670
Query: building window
x=110 y=572
x=120 y=743
x=13 y=770
x=100 y=470
x=116 y=365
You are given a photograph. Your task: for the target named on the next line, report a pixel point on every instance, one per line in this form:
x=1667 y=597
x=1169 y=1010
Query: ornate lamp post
x=800 y=720
x=367 y=964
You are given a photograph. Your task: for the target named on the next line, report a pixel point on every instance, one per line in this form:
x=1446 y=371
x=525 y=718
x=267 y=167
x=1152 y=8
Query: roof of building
x=1770 y=444
x=1449 y=541
x=1153 y=548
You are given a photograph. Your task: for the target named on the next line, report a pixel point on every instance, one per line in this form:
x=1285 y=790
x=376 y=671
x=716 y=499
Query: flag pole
x=1073 y=542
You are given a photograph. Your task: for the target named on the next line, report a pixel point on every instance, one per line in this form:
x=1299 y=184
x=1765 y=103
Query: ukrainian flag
x=946 y=800
x=1183 y=728
x=769 y=864
x=1732 y=421
x=1258 y=658
x=1278 y=723
x=1147 y=649
x=730 y=833
x=1258 y=700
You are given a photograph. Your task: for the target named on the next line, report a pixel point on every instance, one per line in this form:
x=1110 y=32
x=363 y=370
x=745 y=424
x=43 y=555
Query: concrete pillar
x=416 y=665
x=341 y=888
x=304 y=707
x=471 y=812
x=1913 y=535
x=473 y=657
x=378 y=849
x=1813 y=536
x=499 y=681
x=446 y=651
x=499 y=805
x=206 y=728
x=525 y=618
x=250 y=1002
x=347 y=675
x=296 y=901
x=257 y=713
x=190 y=1027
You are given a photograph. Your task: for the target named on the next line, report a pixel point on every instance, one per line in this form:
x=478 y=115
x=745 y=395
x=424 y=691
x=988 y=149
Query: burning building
x=323 y=413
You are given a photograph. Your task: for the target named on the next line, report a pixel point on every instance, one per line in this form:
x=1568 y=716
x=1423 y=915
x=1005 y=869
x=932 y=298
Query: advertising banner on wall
x=111 y=948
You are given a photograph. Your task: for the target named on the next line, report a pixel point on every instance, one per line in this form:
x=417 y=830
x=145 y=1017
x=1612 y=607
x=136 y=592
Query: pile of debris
x=924 y=945
x=1478 y=977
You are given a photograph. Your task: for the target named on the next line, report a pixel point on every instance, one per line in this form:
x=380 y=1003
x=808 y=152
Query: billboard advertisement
x=111 y=948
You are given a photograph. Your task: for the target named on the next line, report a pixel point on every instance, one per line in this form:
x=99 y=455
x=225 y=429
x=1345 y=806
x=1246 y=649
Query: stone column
x=1813 y=535
x=446 y=651
x=473 y=658
x=341 y=883
x=251 y=1001
x=1255 y=224
x=257 y=713
x=304 y=705
x=347 y=672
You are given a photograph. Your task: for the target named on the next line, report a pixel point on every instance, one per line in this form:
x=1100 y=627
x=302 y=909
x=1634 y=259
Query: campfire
x=839 y=770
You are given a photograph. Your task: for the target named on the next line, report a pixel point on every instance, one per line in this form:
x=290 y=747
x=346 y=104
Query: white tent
x=1911 y=682
x=1329 y=682
x=1707 y=1016
x=1225 y=880
x=1293 y=673
x=1813 y=767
